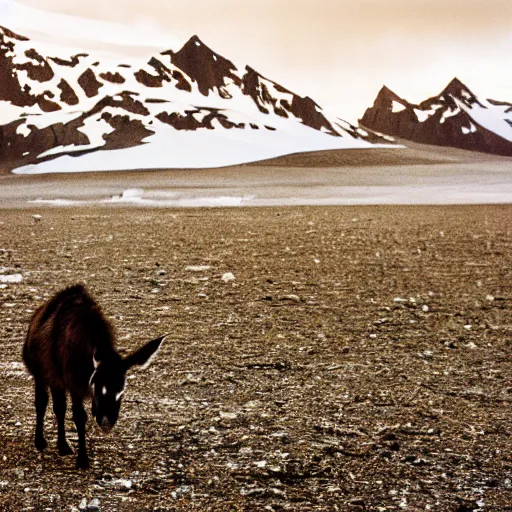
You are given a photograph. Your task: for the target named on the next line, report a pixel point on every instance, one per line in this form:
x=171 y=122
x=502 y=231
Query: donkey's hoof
x=82 y=462
x=64 y=449
x=41 y=443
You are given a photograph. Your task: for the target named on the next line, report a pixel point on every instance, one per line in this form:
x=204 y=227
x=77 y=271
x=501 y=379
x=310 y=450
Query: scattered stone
x=228 y=415
x=291 y=297
x=123 y=485
x=37 y=217
x=94 y=504
x=228 y=277
x=198 y=268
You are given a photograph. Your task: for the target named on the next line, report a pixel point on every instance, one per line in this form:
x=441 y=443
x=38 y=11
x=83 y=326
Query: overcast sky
x=339 y=52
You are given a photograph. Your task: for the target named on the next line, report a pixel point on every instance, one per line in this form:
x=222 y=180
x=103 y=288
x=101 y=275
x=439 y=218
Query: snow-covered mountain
x=179 y=109
x=456 y=117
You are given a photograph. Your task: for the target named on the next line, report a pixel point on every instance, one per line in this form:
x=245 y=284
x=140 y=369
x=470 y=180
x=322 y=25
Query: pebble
x=228 y=415
x=123 y=485
x=198 y=268
x=294 y=298
x=228 y=277
x=94 y=504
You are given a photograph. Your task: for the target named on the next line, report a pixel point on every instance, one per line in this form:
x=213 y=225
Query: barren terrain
x=360 y=360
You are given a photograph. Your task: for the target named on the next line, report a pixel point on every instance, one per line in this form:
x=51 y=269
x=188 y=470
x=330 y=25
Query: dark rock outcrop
x=443 y=120
x=89 y=83
x=205 y=67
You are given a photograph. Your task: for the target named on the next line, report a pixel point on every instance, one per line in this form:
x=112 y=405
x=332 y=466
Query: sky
x=339 y=52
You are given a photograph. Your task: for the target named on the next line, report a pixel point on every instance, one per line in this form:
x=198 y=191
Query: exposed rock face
x=67 y=94
x=205 y=67
x=115 y=78
x=35 y=68
x=97 y=105
x=89 y=83
x=456 y=117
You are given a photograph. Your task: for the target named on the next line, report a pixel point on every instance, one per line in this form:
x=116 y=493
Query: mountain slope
x=456 y=117
x=190 y=108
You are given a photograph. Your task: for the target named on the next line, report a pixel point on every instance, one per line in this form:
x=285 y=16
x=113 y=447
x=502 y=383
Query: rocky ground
x=359 y=360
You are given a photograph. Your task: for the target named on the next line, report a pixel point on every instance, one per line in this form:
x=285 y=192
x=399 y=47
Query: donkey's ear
x=144 y=355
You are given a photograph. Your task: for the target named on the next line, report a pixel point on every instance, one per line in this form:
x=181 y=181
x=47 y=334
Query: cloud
x=63 y=29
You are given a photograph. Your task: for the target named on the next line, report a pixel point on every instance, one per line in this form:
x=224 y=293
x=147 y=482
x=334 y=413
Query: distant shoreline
x=418 y=174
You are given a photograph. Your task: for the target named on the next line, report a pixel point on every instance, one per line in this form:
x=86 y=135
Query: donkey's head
x=108 y=381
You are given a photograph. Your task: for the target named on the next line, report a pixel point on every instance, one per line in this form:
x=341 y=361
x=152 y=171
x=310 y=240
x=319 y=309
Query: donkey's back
x=59 y=347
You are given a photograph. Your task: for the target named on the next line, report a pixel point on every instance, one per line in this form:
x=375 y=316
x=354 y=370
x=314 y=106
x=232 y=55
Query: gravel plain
x=360 y=359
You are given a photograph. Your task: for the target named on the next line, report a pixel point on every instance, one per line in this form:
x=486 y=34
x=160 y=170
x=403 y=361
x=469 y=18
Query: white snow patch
x=9 y=112
x=56 y=202
x=130 y=195
x=24 y=130
x=449 y=113
x=397 y=107
x=494 y=118
x=171 y=148
x=95 y=129
x=471 y=129
x=423 y=115
x=384 y=136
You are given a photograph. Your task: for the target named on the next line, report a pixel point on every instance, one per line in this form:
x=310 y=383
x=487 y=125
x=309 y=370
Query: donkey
x=70 y=348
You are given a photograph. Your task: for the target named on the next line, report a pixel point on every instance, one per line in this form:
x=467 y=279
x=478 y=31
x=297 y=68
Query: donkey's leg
x=80 y=419
x=41 y=402
x=59 y=408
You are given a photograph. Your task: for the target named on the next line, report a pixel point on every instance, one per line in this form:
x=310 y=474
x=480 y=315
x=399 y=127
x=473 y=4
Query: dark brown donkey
x=70 y=348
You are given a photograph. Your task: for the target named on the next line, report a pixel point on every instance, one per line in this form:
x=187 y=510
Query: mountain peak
x=197 y=46
x=209 y=69
x=386 y=96
x=457 y=88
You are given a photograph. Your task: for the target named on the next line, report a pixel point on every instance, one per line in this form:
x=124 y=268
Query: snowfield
x=65 y=111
